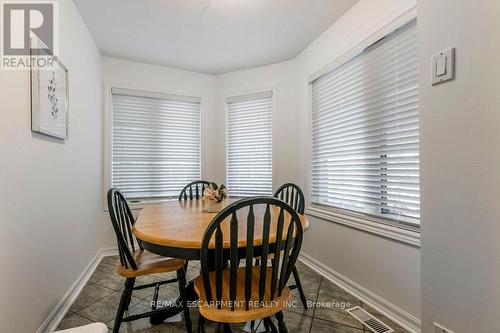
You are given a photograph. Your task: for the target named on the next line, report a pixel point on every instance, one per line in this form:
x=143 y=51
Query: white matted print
x=49 y=92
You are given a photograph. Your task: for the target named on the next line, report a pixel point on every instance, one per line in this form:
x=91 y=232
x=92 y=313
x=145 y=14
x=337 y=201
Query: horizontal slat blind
x=365 y=131
x=156 y=144
x=249 y=145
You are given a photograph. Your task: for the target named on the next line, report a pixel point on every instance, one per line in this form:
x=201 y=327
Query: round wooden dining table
x=175 y=229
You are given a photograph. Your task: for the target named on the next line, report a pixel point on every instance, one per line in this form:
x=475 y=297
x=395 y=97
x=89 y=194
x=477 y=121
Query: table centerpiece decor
x=213 y=197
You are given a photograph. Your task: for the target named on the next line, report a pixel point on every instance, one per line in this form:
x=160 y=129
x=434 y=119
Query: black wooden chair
x=135 y=261
x=194 y=190
x=232 y=294
x=293 y=195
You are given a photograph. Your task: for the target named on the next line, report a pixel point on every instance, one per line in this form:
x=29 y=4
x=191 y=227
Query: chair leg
x=132 y=282
x=154 y=304
x=270 y=324
x=201 y=324
x=281 y=323
x=266 y=324
x=299 y=286
x=124 y=301
x=181 y=275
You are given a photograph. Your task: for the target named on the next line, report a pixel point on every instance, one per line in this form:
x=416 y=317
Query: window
x=249 y=145
x=365 y=131
x=156 y=143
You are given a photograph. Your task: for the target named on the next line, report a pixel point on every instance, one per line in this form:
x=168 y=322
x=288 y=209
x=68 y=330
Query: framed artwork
x=49 y=92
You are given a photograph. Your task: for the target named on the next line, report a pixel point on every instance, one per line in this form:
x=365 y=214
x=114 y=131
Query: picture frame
x=49 y=90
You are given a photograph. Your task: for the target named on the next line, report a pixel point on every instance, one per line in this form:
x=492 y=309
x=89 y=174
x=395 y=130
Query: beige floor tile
x=332 y=303
x=310 y=282
x=322 y=326
x=104 y=309
x=295 y=322
x=143 y=325
x=296 y=303
x=99 y=300
x=116 y=282
x=101 y=272
x=89 y=294
x=109 y=260
x=73 y=320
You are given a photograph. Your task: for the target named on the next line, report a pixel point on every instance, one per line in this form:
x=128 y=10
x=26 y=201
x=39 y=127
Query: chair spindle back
x=292 y=195
x=194 y=190
x=123 y=221
x=281 y=236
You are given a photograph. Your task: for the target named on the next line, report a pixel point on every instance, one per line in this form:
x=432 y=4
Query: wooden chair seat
x=270 y=256
x=134 y=262
x=240 y=314
x=149 y=263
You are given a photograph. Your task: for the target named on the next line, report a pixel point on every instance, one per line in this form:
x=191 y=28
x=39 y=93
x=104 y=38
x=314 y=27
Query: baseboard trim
x=60 y=310
x=386 y=308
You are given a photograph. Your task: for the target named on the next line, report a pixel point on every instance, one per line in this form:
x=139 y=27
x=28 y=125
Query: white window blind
x=249 y=145
x=156 y=143
x=365 y=131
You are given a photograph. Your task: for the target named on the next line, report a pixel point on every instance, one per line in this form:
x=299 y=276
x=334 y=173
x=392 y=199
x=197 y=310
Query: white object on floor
x=258 y=326
x=91 y=328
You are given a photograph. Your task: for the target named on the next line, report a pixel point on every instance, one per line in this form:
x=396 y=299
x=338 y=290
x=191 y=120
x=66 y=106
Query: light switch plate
x=440 y=329
x=443 y=66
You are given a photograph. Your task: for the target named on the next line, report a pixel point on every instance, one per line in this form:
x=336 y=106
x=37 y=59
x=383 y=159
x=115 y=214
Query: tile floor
x=99 y=299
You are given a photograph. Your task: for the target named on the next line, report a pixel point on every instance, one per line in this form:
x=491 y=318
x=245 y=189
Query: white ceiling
x=209 y=36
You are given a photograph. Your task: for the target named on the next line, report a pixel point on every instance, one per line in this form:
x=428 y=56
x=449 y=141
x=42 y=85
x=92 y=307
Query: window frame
x=107 y=154
x=381 y=226
x=234 y=95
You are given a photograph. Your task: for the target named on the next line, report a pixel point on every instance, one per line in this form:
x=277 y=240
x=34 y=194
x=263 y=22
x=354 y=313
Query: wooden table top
x=182 y=224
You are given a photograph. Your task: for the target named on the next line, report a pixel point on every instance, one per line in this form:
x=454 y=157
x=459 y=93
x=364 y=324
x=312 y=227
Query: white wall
x=385 y=267
x=50 y=201
x=460 y=149
x=280 y=78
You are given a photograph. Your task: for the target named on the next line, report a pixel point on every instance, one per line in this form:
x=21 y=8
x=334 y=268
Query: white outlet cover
x=443 y=66
x=440 y=329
